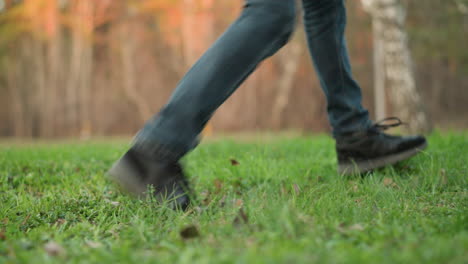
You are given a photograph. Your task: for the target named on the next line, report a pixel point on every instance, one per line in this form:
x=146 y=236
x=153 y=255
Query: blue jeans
x=262 y=29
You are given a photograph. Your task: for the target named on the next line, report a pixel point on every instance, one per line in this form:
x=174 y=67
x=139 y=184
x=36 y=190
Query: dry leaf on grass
x=297 y=190
x=2 y=234
x=114 y=203
x=357 y=227
x=26 y=219
x=218 y=185
x=60 y=221
x=205 y=197
x=222 y=201
x=234 y=162
x=93 y=244
x=343 y=228
x=53 y=249
x=388 y=182
x=443 y=177
x=354 y=186
x=239 y=202
x=189 y=232
x=241 y=218
x=283 y=190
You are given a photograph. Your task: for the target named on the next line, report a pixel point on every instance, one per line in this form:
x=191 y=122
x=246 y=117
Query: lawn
x=275 y=201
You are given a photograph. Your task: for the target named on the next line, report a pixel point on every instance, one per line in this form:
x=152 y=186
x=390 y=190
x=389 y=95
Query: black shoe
x=372 y=149
x=142 y=175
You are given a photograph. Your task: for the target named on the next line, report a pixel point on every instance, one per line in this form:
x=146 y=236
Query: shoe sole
x=123 y=173
x=350 y=168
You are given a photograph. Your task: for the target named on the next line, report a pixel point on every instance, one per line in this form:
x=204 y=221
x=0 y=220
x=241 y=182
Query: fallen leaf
x=218 y=185
x=2 y=234
x=234 y=162
x=26 y=219
x=198 y=209
x=206 y=197
x=189 y=232
x=60 y=221
x=357 y=227
x=354 y=186
x=297 y=190
x=114 y=233
x=204 y=194
x=388 y=182
x=239 y=202
x=443 y=176
x=241 y=218
x=283 y=190
x=53 y=249
x=250 y=241
x=343 y=228
x=93 y=244
x=222 y=201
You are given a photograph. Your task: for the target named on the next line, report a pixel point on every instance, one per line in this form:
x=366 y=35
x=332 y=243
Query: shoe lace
x=384 y=125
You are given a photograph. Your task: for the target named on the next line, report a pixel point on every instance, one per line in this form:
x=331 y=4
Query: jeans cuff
x=162 y=151
x=157 y=151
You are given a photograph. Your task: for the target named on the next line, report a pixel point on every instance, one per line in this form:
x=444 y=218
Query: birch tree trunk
x=379 y=72
x=72 y=85
x=51 y=64
x=87 y=26
x=289 y=58
x=388 y=17
x=129 y=75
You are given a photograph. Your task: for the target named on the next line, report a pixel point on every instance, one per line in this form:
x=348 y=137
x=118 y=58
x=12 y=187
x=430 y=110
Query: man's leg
x=324 y=22
x=360 y=145
x=263 y=27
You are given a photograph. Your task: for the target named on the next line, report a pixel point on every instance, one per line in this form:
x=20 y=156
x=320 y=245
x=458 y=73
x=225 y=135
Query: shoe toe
x=136 y=173
x=182 y=202
x=412 y=142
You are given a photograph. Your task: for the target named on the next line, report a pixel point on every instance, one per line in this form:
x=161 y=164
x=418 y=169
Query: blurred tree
x=82 y=67
x=393 y=56
x=289 y=59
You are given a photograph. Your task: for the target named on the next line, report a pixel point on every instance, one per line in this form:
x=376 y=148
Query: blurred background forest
x=79 y=68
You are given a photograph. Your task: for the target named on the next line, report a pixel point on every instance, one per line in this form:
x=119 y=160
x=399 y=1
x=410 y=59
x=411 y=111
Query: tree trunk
x=86 y=22
x=289 y=58
x=73 y=80
x=379 y=72
x=51 y=67
x=389 y=19
x=127 y=46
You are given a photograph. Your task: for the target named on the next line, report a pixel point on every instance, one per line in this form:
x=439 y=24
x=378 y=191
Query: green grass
x=283 y=203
